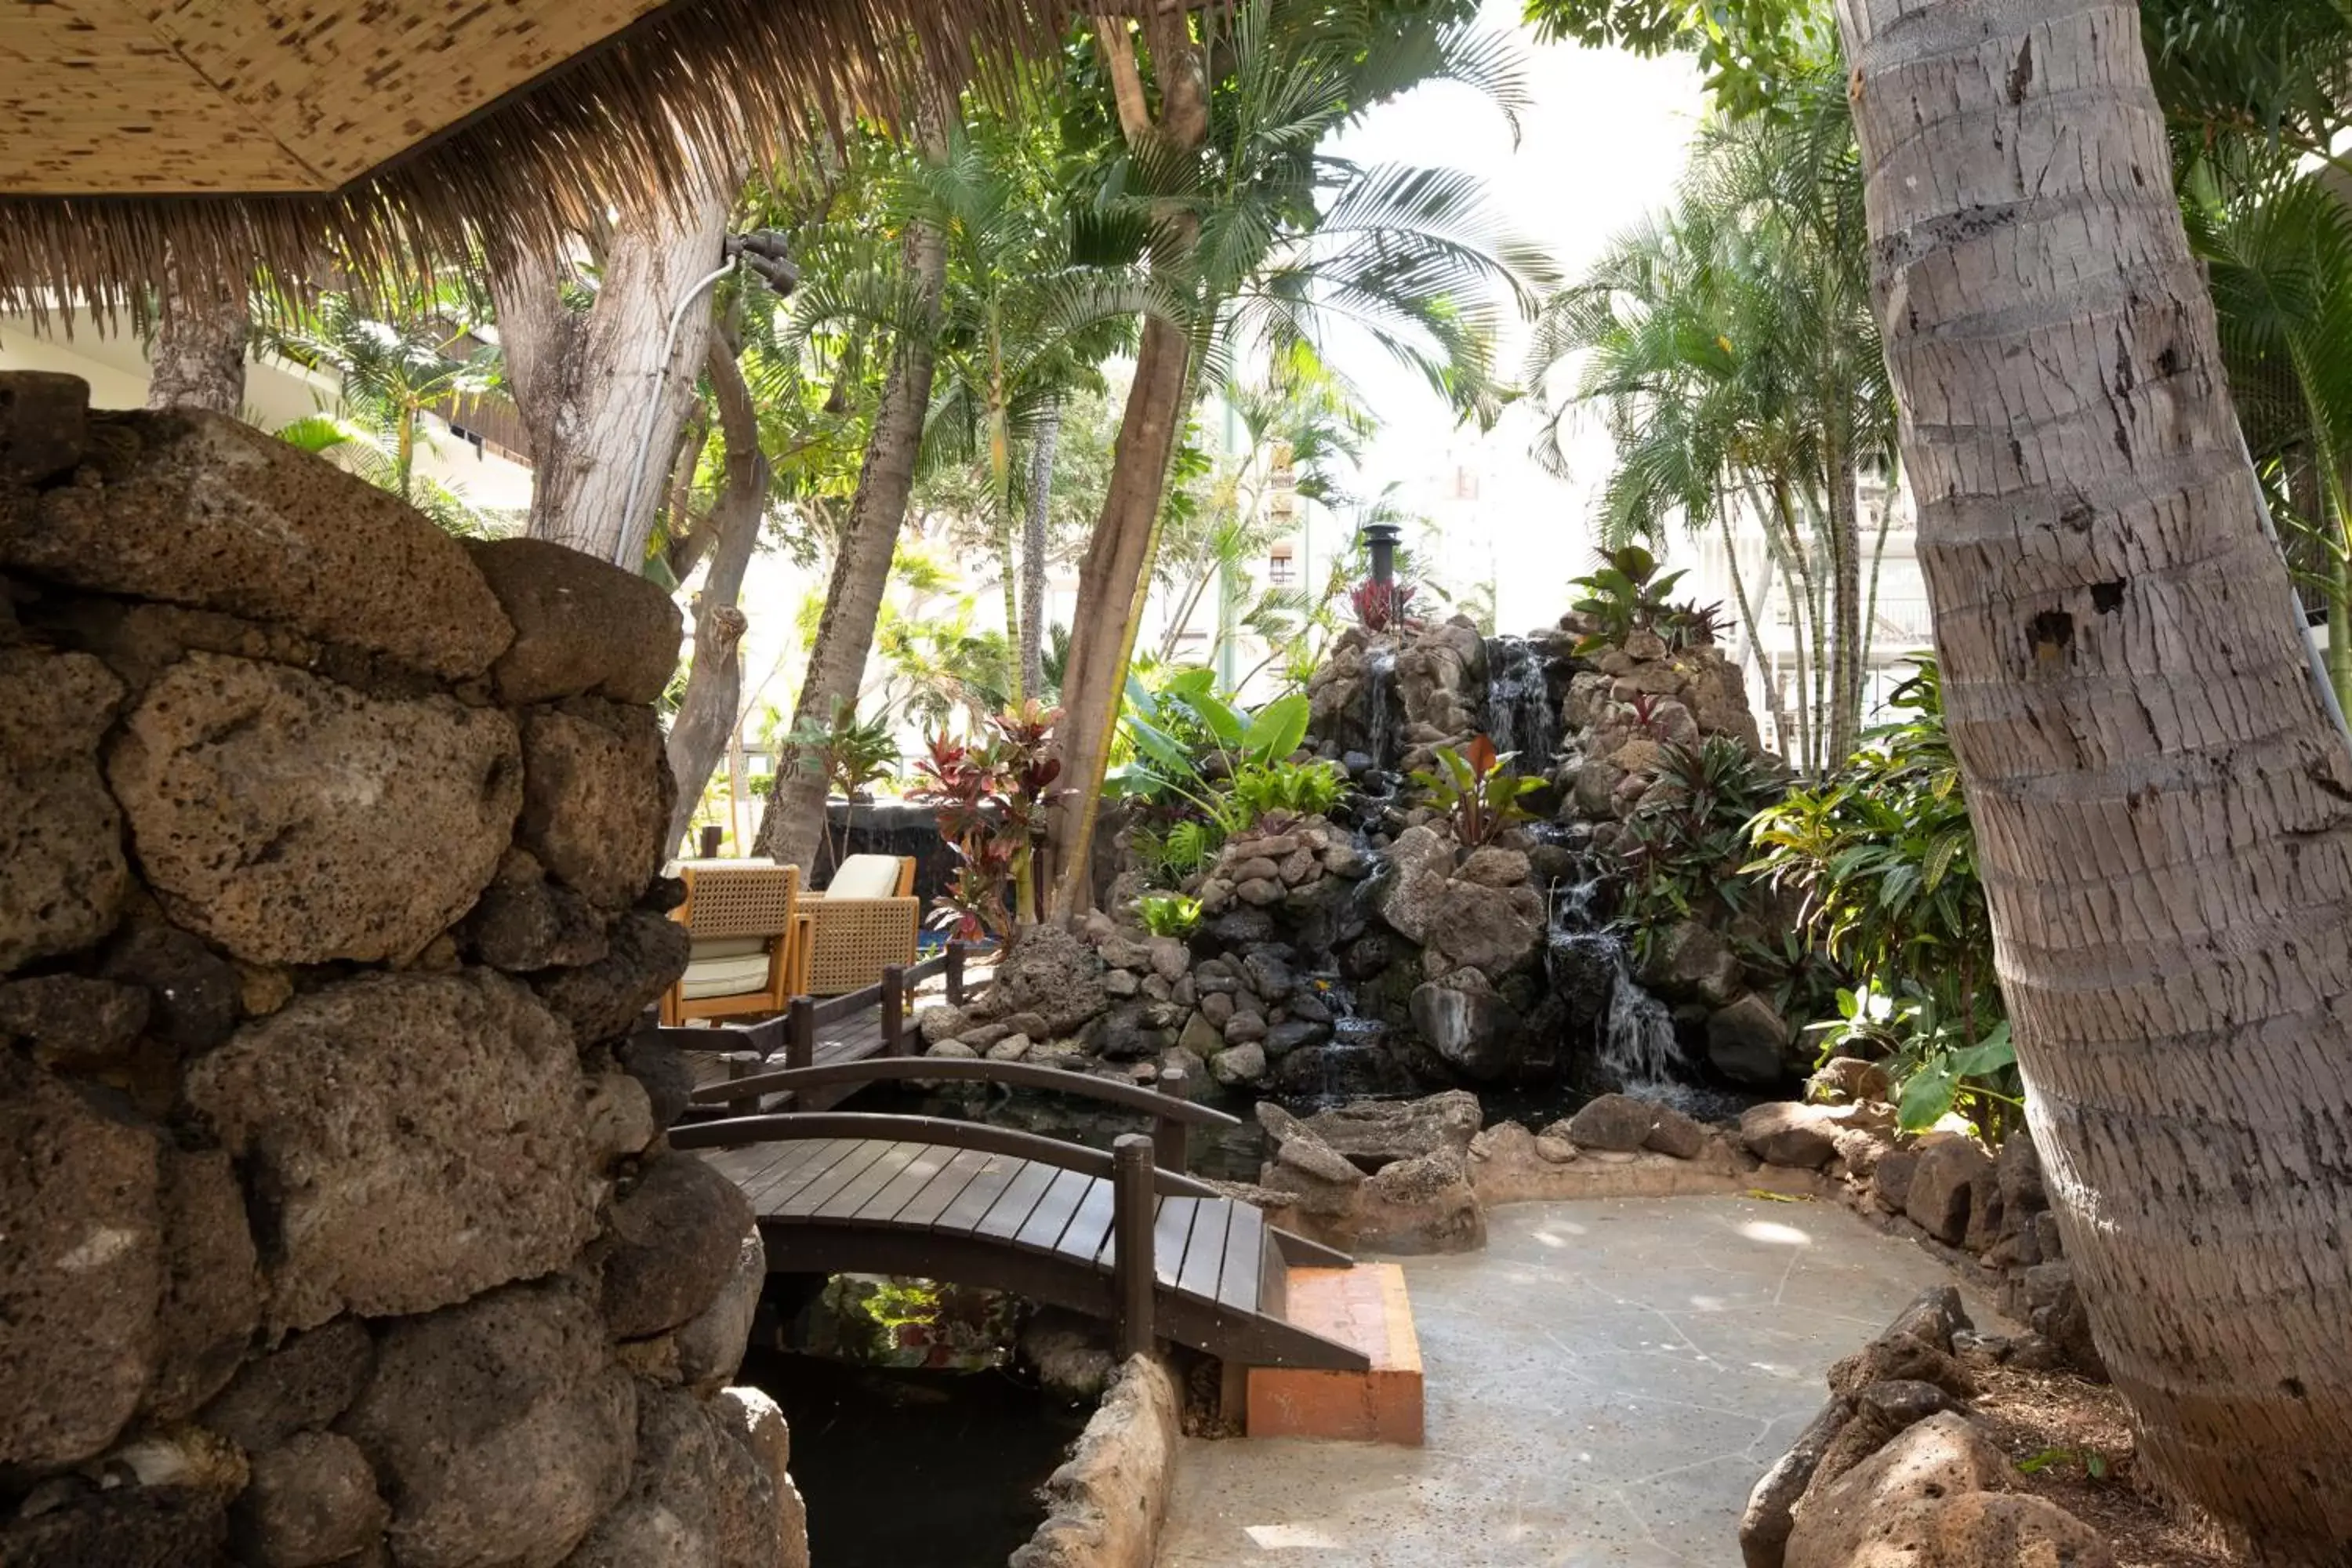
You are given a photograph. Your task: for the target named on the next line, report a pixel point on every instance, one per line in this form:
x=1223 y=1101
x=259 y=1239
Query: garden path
x=1606 y=1381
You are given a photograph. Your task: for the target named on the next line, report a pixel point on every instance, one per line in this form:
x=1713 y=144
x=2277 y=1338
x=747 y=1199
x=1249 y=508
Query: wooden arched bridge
x=1126 y=1234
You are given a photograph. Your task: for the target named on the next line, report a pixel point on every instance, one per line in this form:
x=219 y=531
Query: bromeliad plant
x=1625 y=594
x=1477 y=791
x=1381 y=606
x=1168 y=914
x=992 y=797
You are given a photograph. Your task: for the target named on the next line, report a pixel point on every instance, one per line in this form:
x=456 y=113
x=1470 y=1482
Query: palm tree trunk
x=1113 y=572
x=198 y=356
x=1034 y=532
x=1110 y=574
x=714 y=685
x=795 y=817
x=1845 y=599
x=2162 y=801
x=581 y=378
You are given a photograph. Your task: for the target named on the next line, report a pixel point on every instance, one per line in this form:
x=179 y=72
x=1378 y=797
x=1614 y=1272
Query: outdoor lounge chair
x=742 y=917
x=864 y=921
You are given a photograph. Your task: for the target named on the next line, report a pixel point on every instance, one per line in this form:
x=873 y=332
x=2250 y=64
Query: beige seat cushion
x=747 y=862
x=866 y=877
x=727 y=947
x=730 y=976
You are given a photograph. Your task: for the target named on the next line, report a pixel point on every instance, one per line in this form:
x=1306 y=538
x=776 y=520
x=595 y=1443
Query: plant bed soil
x=2066 y=1420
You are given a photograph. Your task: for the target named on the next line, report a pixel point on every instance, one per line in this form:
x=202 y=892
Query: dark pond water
x=915 y=1470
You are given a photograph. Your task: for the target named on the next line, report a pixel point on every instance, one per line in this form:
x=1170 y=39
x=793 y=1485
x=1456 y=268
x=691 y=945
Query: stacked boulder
x=340 y=1225
x=1401 y=693
x=1894 y=1469
x=1637 y=699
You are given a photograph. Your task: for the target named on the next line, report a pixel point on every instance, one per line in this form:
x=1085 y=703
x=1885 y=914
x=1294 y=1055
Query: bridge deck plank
x=1042 y=1232
x=926 y=1207
x=1011 y=1211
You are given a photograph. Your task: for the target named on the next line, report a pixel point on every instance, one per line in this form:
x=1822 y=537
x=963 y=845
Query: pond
x=915 y=1470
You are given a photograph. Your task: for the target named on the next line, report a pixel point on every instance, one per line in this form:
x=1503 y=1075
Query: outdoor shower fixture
x=763 y=254
x=1382 y=537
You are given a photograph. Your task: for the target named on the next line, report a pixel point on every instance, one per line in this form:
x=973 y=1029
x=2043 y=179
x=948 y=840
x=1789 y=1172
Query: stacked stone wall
x=337 y=1223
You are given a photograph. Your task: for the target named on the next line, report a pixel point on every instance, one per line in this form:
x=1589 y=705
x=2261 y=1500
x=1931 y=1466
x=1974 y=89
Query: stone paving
x=1605 y=1383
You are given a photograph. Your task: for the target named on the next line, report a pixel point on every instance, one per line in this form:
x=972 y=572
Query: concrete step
x=1364 y=1306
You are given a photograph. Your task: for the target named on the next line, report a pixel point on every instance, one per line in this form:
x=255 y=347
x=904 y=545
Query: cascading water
x=1519 y=715
x=1633 y=1033
x=1380 y=697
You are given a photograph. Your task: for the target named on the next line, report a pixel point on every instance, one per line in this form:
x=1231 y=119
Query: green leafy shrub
x=1205 y=769
x=1683 y=850
x=1625 y=594
x=851 y=753
x=1168 y=914
x=1883 y=860
x=1303 y=789
x=1477 y=790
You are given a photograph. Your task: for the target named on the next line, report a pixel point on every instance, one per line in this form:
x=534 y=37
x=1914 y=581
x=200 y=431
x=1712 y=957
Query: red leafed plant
x=1381 y=606
x=991 y=795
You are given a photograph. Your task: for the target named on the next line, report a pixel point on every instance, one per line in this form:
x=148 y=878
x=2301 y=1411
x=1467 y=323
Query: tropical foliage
x=1475 y=791
x=992 y=793
x=850 y=753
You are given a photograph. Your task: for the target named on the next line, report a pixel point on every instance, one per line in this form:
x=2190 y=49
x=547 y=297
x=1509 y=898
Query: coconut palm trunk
x=706 y=714
x=198 y=357
x=1111 y=575
x=1033 y=550
x=1845 y=600
x=2163 y=804
x=793 y=823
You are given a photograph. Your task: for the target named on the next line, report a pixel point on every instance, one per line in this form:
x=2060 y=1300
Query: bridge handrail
x=789 y=1126
x=1015 y=1074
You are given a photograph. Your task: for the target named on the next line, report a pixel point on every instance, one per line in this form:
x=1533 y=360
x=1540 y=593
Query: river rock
x=1843 y=1080
x=1952 y=1176
x=305 y=1382
x=1784 y=1133
x=597 y=797
x=1239 y=1066
x=201 y=508
x=941 y=1022
x=82 y=1271
x=1375 y=1133
x=1676 y=1133
x=60 y=832
x=499 y=1427
x=1748 y=1041
x=1765 y=1524
x=1616 y=1122
x=309 y=1504
x=581 y=626
x=1689 y=960
x=356 y=1110
x=673 y=1242
x=1493 y=929
x=291 y=819
x=1468 y=1022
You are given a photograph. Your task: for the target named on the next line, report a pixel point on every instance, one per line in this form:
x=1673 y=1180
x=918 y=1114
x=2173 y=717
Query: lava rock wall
x=336 y=1221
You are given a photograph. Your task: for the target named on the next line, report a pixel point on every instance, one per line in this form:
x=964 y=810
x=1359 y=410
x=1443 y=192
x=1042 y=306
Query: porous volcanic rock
x=60 y=832
x=291 y=820
x=583 y=626
x=1050 y=972
x=358 y=1111
x=597 y=797
x=501 y=1428
x=696 y=1495
x=673 y=1240
x=200 y=509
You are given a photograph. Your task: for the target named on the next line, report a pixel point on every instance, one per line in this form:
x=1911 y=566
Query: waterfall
x=1634 y=1040
x=1519 y=715
x=1637 y=1039
x=1380 y=687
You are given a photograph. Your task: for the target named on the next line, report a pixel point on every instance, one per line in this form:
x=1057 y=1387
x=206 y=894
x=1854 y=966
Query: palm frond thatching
x=690 y=86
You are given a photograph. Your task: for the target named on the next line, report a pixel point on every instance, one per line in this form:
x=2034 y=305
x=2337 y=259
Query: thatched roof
x=237 y=131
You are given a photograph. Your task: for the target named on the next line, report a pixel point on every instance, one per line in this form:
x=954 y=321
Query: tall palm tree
x=2161 y=794
x=1257 y=239
x=1731 y=348
x=415 y=353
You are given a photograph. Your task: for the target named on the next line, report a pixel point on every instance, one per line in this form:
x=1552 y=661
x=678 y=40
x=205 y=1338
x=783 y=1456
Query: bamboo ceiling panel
x=260 y=96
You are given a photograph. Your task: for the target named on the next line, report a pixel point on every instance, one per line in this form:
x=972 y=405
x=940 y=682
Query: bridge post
x=1133 y=1218
x=1169 y=1136
x=894 y=1009
x=955 y=973
x=800 y=1033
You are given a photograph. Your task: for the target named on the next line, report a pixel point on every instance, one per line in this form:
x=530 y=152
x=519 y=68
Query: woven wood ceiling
x=117 y=97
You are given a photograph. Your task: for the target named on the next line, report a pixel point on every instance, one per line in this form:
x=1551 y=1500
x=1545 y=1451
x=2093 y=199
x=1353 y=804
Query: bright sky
x=1601 y=146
